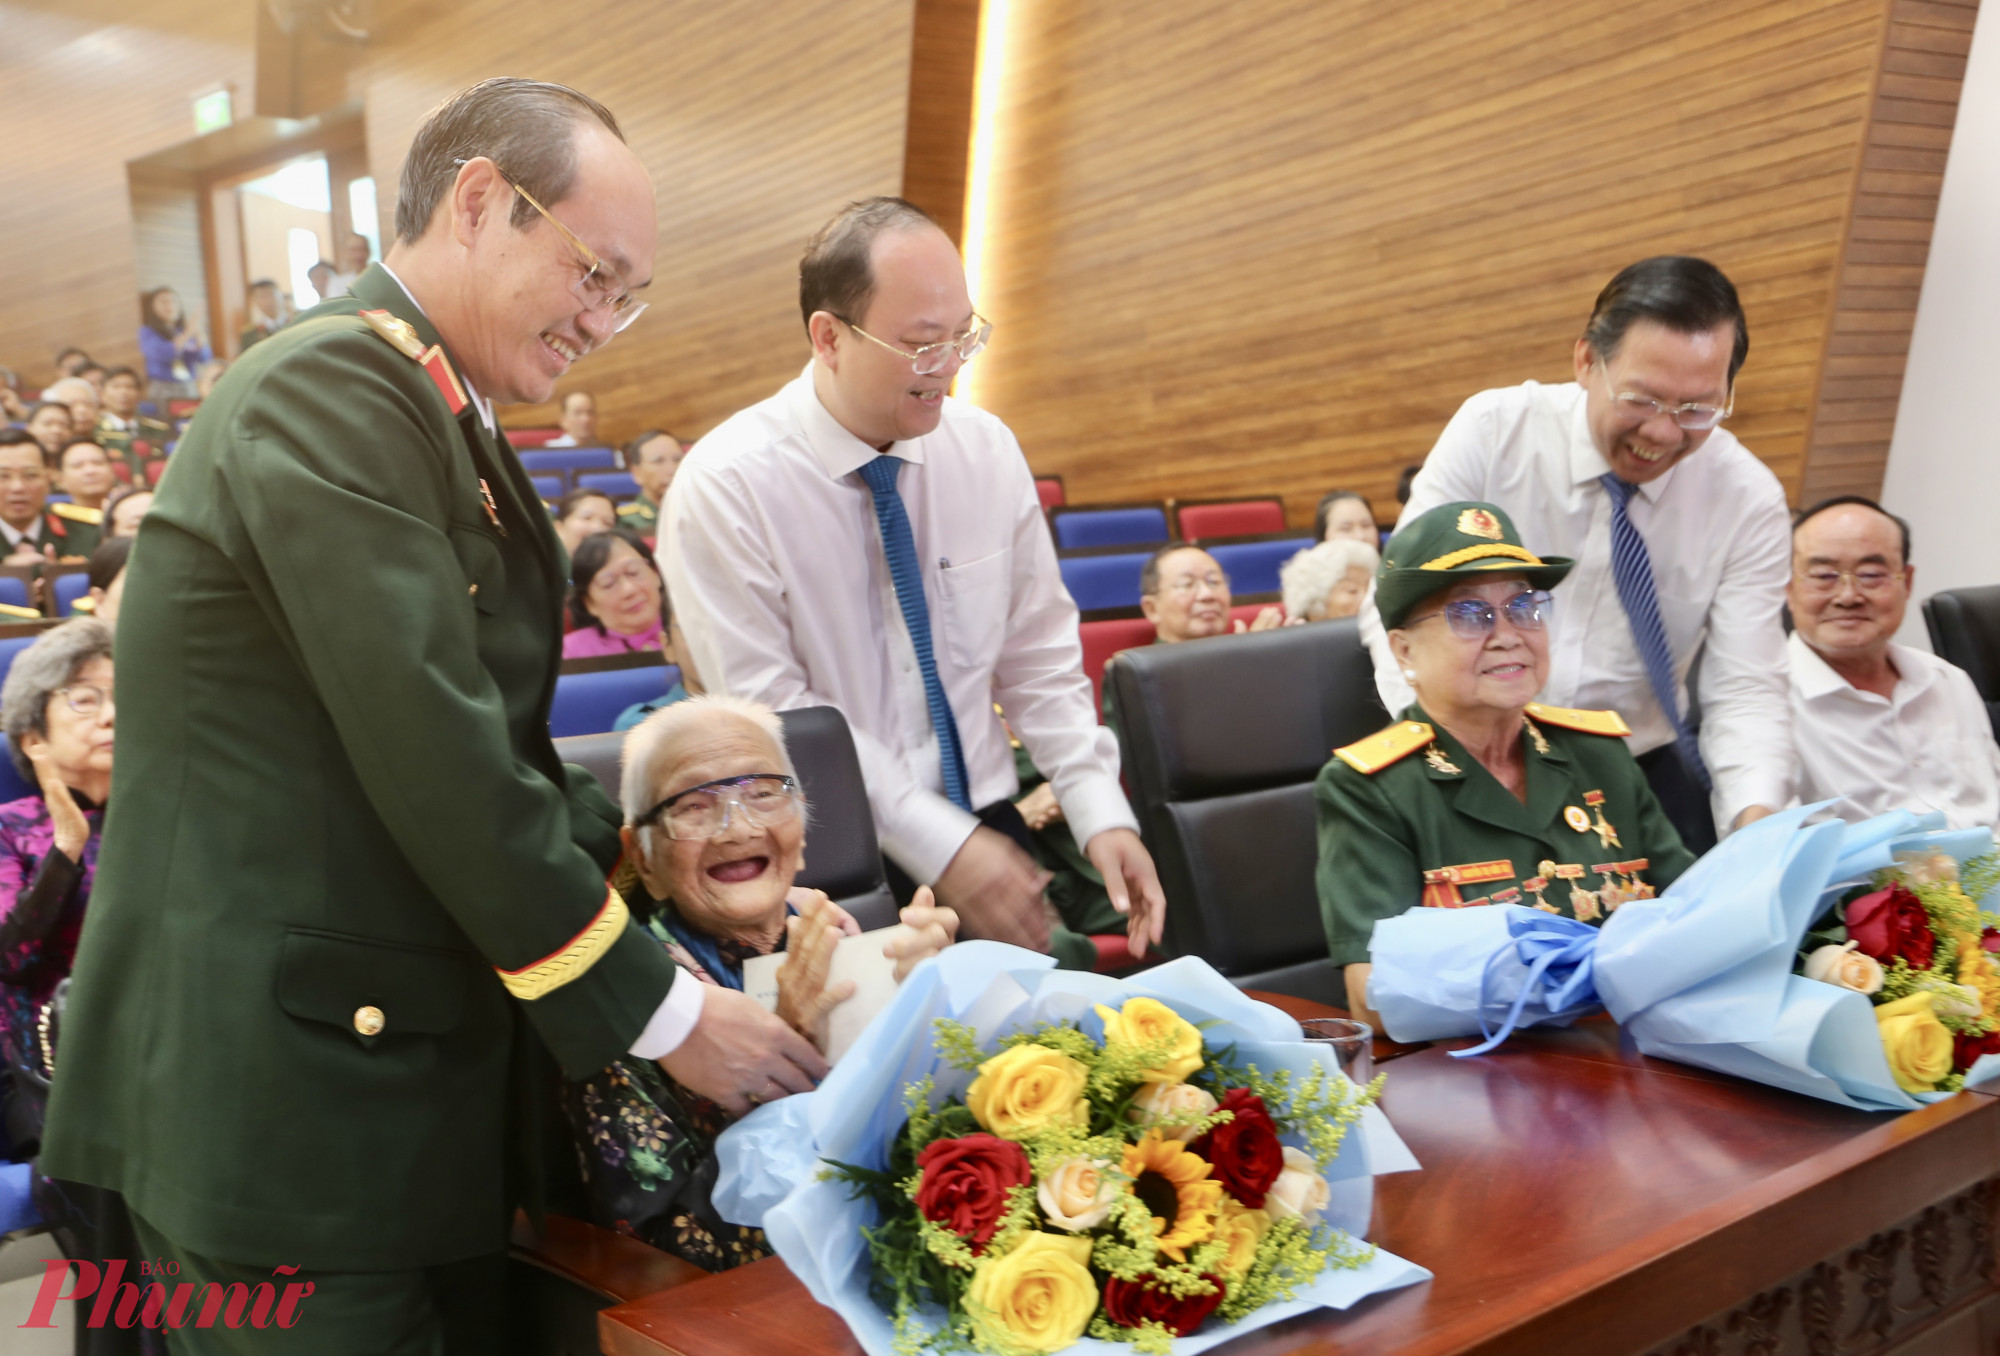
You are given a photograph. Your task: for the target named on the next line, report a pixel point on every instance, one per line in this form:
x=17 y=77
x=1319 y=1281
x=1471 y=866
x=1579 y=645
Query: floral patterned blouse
x=42 y=897
x=646 y=1144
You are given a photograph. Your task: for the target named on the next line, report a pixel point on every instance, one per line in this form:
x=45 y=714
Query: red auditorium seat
x=154 y=470
x=1106 y=636
x=1050 y=488
x=181 y=409
x=524 y=438
x=1231 y=518
x=1247 y=612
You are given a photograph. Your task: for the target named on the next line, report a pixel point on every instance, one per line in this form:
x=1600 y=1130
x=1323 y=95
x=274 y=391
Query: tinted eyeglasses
x=1474 y=618
x=763 y=799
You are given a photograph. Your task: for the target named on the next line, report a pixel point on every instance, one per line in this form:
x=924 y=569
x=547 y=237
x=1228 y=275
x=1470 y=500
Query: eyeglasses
x=1869 y=579
x=930 y=358
x=764 y=798
x=1639 y=408
x=599 y=288
x=1474 y=618
x=1189 y=583
x=84 y=698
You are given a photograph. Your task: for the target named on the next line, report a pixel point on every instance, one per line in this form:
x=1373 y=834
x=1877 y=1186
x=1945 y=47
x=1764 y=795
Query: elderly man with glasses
x=1677 y=530
x=1880 y=725
x=355 y=902
x=864 y=541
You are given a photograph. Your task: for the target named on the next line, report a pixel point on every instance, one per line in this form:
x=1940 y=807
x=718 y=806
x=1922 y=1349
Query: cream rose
x=1300 y=1192
x=1175 y=1108
x=1028 y=1088
x=1040 y=1294
x=1845 y=967
x=1241 y=1227
x=1078 y=1193
x=1147 y=1021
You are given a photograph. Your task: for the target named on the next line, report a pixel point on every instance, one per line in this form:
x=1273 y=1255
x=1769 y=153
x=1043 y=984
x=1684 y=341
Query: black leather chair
x=842 y=856
x=1221 y=741
x=1965 y=630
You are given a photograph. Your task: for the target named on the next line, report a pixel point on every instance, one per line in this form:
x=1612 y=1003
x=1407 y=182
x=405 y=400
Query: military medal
x=1614 y=891
x=1539 y=882
x=1441 y=883
x=492 y=508
x=1534 y=734
x=1435 y=757
x=1606 y=835
x=1574 y=816
x=1581 y=901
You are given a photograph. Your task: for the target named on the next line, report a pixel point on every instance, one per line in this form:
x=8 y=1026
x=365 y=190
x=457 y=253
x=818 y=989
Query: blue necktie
x=901 y=549
x=1632 y=569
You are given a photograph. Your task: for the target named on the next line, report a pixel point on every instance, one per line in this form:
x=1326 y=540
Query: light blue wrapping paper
x=1701 y=975
x=770 y=1159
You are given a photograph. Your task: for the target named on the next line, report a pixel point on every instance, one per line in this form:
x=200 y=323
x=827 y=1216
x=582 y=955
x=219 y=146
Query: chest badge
x=1435 y=757
x=1574 y=816
x=1606 y=835
x=492 y=508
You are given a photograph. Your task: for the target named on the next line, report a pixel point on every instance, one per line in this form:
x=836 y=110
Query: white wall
x=1944 y=460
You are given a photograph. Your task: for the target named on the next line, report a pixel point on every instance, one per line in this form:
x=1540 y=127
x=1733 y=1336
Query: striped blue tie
x=1632 y=569
x=901 y=549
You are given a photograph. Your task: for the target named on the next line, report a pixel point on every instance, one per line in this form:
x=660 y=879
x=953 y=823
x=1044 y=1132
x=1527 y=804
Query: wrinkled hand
x=1132 y=883
x=799 y=896
x=935 y=928
x=72 y=830
x=804 y=999
x=739 y=1055
x=996 y=891
x=1269 y=619
x=1040 y=807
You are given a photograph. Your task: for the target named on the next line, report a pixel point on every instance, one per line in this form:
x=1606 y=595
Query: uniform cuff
x=673 y=1021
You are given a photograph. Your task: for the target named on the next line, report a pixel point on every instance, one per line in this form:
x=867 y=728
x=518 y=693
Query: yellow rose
x=1040 y=1293
x=1027 y=1088
x=1146 y=1021
x=1916 y=1042
x=1242 y=1227
x=1176 y=1109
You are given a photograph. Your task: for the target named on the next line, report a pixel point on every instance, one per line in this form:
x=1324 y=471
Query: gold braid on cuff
x=1498 y=548
x=550 y=973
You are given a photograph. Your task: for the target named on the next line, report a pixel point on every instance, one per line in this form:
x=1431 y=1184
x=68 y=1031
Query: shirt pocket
x=485 y=572
x=974 y=599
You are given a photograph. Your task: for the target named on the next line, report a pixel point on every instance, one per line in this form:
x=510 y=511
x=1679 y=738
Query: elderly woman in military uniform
x=1480 y=795
x=715 y=834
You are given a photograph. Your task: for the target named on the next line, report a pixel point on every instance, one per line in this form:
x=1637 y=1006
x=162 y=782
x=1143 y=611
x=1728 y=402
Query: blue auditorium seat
x=570 y=459
x=13 y=785
x=617 y=484
x=1129 y=526
x=1103 y=581
x=589 y=703
x=548 y=487
x=68 y=588
x=14 y=590
x=1253 y=566
x=150 y=408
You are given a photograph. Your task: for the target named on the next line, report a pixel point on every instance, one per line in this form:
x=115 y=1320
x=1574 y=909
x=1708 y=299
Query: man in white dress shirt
x=1887 y=727
x=1679 y=534
x=578 y=421
x=861 y=540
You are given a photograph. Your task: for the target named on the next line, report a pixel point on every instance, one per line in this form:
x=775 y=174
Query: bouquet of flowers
x=1710 y=972
x=1915 y=942
x=1023 y=1160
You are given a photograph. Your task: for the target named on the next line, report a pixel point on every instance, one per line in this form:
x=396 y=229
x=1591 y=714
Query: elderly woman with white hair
x=1328 y=581
x=715 y=835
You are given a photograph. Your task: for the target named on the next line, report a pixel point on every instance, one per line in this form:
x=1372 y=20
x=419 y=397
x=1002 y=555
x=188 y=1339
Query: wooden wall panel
x=166 y=244
x=90 y=85
x=1273 y=247
x=944 y=47
x=757 y=121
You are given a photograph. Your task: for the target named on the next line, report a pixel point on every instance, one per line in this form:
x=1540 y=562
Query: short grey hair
x=68 y=389
x=42 y=670
x=1308 y=576
x=650 y=742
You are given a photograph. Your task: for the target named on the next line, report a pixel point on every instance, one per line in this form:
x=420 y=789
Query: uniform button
x=368 y=1020
x=472 y=592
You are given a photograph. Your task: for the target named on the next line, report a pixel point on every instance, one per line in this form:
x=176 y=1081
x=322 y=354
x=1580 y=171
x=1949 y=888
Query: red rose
x=966 y=1181
x=1890 y=924
x=1244 y=1153
x=1989 y=939
x=1130 y=1303
x=1966 y=1050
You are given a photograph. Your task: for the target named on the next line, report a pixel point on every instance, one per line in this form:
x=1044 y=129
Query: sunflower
x=1174 y=1184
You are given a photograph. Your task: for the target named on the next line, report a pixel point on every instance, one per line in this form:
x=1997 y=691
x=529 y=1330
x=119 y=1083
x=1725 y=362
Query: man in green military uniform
x=130 y=437
x=1479 y=795
x=652 y=458
x=352 y=894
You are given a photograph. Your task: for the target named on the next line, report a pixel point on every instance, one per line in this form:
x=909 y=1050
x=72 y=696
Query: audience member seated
x=578 y=421
x=687 y=685
x=124 y=509
x=1184 y=593
x=94 y=373
x=355 y=254
x=70 y=361
x=1346 y=513
x=615 y=597
x=652 y=458
x=583 y=513
x=1883 y=725
x=263 y=313
x=13 y=409
x=121 y=428
x=50 y=425
x=33 y=534
x=81 y=397
x=107 y=580
x=1330 y=580
x=1509 y=802
x=174 y=350
x=715 y=827
x=321 y=277
x=56 y=707
x=83 y=472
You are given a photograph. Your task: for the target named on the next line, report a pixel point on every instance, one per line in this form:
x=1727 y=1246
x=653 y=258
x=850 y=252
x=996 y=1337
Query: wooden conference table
x=1577 y=1197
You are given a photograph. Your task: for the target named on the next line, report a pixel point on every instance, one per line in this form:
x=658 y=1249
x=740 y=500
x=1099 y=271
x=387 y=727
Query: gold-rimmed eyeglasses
x=927 y=359
x=600 y=288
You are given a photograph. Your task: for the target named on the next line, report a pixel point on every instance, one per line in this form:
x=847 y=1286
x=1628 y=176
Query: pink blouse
x=588 y=642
